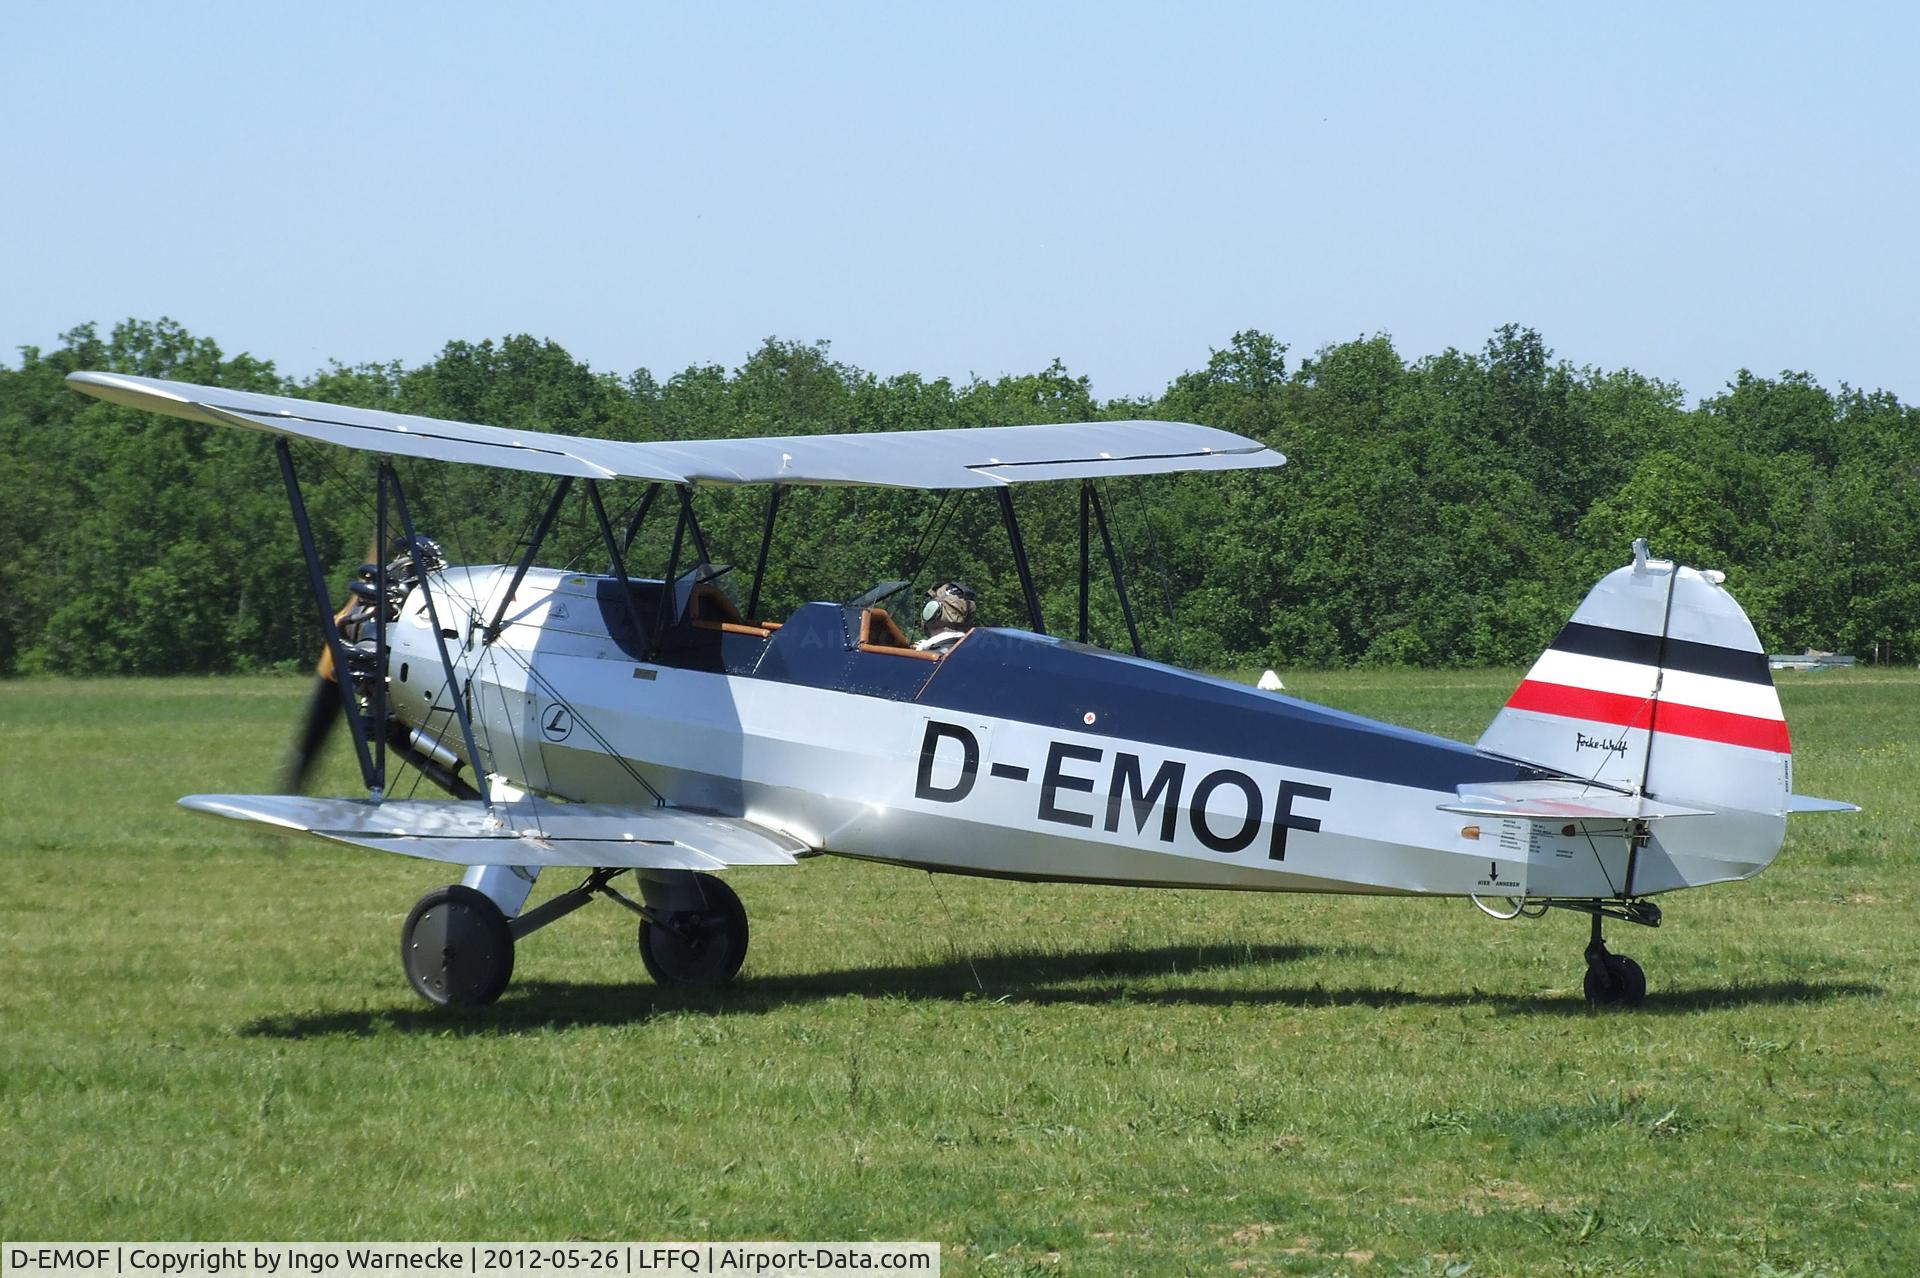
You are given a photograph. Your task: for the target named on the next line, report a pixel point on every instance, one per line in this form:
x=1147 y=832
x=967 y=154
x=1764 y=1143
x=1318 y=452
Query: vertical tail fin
x=1658 y=685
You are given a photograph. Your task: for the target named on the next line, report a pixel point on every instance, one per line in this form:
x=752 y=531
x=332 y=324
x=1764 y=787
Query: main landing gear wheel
x=457 y=947
x=703 y=946
x=1613 y=980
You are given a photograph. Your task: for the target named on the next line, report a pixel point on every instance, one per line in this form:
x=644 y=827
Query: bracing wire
x=1160 y=564
x=922 y=545
x=626 y=765
x=953 y=942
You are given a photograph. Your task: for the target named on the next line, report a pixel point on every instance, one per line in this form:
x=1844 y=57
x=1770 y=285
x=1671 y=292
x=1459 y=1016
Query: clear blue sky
x=973 y=189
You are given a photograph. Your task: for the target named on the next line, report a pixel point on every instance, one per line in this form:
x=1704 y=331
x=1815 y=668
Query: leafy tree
x=1445 y=510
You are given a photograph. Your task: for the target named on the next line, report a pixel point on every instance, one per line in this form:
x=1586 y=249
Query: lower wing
x=596 y=835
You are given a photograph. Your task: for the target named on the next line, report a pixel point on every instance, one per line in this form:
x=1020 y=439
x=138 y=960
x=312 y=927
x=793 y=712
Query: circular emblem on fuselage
x=556 y=722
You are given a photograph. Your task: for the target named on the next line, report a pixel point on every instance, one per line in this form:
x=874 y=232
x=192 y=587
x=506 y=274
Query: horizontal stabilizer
x=1807 y=803
x=1561 y=801
x=596 y=835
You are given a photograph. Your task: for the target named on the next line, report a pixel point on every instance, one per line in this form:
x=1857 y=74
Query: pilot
x=948 y=616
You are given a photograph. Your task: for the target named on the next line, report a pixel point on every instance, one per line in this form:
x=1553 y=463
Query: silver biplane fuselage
x=618 y=724
x=1016 y=755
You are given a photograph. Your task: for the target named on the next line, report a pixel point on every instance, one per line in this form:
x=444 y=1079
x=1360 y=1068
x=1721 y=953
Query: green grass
x=204 y=1033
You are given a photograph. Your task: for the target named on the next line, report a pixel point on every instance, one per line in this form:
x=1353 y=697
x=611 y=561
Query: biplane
x=662 y=727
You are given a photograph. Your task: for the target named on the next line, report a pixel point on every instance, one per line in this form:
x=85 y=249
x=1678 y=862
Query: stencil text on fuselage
x=1142 y=796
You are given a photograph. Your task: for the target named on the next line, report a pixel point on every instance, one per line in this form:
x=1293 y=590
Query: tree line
x=1444 y=510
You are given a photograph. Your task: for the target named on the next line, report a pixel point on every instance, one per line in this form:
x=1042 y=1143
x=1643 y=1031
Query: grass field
x=204 y=1033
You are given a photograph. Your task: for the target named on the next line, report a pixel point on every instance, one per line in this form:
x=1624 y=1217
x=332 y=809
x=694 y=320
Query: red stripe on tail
x=1637 y=712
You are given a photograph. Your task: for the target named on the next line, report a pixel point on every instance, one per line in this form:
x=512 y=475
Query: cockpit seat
x=710 y=603
x=880 y=633
x=711 y=609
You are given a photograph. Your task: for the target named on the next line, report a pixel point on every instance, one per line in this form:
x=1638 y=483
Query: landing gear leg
x=1613 y=980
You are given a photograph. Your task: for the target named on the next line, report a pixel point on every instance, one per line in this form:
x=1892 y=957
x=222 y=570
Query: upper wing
x=596 y=835
x=981 y=457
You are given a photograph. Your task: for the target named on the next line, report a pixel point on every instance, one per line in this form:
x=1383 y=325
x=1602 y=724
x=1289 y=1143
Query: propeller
x=321 y=712
x=323 y=709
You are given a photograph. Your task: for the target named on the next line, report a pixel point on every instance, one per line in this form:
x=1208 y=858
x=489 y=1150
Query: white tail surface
x=1657 y=686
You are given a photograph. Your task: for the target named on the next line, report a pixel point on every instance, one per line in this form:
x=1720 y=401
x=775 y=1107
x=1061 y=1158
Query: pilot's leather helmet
x=950 y=606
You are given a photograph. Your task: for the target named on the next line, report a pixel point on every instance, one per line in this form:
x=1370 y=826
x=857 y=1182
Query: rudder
x=1658 y=685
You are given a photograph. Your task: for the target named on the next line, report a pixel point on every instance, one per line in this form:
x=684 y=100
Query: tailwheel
x=457 y=947
x=703 y=942
x=1616 y=982
x=1613 y=980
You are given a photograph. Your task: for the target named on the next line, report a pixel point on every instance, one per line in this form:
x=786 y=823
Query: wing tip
x=91 y=382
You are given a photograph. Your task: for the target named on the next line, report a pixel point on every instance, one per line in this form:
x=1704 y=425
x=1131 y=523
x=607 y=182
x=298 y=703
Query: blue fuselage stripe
x=1053 y=685
x=1027 y=678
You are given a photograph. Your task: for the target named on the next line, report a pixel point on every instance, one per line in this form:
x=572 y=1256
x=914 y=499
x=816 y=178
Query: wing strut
x=378 y=701
x=1113 y=566
x=454 y=691
x=766 y=540
x=693 y=526
x=526 y=560
x=662 y=614
x=617 y=562
x=343 y=676
x=639 y=516
x=1020 y=559
x=1086 y=501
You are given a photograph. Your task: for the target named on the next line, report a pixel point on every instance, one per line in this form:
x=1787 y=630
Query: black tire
x=1632 y=982
x=1622 y=984
x=705 y=946
x=457 y=948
